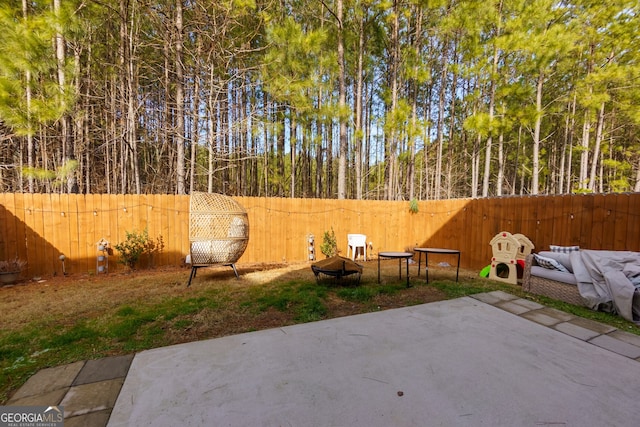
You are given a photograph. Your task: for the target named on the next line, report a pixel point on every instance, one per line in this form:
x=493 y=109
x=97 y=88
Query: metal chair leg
x=235 y=271
x=192 y=275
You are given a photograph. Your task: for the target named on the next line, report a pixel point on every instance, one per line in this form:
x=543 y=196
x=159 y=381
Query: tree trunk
x=30 y=146
x=417 y=45
x=342 y=102
x=492 y=100
x=535 y=156
x=179 y=82
x=584 y=155
x=358 y=102
x=391 y=140
x=293 y=140
x=475 y=167
x=195 y=130
x=500 y=177
x=451 y=163
x=440 y=124
x=489 y=143
x=596 y=149
x=67 y=151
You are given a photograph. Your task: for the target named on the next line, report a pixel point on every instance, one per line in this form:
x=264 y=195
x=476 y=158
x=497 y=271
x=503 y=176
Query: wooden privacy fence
x=40 y=227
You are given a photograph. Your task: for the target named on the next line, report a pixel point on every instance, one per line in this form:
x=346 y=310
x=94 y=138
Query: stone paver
x=48 y=380
x=626 y=337
x=615 y=345
x=513 y=307
x=494 y=297
x=50 y=398
x=576 y=331
x=92 y=397
x=531 y=305
x=93 y=419
x=541 y=318
x=599 y=328
x=104 y=369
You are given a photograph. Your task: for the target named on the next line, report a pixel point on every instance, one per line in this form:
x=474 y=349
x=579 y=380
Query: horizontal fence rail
x=39 y=228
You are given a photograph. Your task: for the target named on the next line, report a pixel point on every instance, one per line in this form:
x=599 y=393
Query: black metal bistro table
x=427 y=251
x=399 y=256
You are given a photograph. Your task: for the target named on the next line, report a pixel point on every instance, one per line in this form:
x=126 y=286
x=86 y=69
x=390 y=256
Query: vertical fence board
x=183 y=234
x=304 y=219
x=139 y=221
x=59 y=230
x=463 y=235
x=9 y=243
x=489 y=225
x=71 y=262
x=573 y=221
x=124 y=226
x=561 y=217
x=275 y=249
x=277 y=222
x=257 y=229
x=538 y=218
x=142 y=224
x=181 y=226
x=113 y=235
x=498 y=216
x=289 y=218
x=152 y=210
x=21 y=224
x=4 y=227
x=514 y=215
x=100 y=220
x=609 y=221
x=93 y=204
x=620 y=225
x=474 y=238
x=165 y=229
x=85 y=235
x=253 y=230
x=633 y=222
x=30 y=233
x=297 y=229
x=129 y=222
x=597 y=222
x=37 y=248
x=103 y=219
x=526 y=218
x=545 y=220
x=265 y=240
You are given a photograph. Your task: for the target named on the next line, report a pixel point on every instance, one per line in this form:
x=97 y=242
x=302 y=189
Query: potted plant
x=10 y=270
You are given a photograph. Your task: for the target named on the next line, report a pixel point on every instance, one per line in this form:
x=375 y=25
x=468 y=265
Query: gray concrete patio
x=492 y=359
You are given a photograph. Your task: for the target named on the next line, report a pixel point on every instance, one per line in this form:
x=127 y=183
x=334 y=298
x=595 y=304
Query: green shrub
x=329 y=245
x=136 y=245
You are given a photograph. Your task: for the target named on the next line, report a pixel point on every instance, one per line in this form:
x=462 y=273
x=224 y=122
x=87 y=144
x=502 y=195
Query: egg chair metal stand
x=218 y=231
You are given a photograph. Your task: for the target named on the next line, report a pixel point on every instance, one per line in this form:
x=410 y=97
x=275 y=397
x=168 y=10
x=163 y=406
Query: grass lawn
x=66 y=319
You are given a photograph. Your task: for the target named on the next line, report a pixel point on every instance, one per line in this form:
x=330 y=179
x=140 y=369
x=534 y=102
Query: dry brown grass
x=77 y=296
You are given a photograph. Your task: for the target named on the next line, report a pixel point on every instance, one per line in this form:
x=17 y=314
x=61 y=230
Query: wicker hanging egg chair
x=218 y=231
